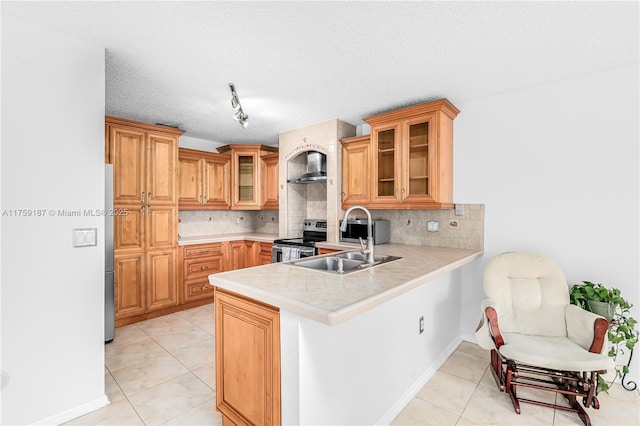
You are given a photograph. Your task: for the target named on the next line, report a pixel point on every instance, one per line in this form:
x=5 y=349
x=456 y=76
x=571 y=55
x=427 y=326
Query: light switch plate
x=84 y=237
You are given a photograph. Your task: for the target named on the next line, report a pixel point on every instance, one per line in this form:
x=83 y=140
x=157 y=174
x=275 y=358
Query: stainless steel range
x=313 y=231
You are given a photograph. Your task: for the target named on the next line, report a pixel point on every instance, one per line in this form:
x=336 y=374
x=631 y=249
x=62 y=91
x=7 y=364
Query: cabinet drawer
x=201 y=250
x=197 y=290
x=265 y=249
x=194 y=268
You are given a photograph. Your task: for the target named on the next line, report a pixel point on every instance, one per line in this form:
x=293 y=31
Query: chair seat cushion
x=557 y=353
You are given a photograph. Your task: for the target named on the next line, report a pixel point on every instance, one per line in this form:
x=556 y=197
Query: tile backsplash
x=407 y=226
x=207 y=222
x=410 y=226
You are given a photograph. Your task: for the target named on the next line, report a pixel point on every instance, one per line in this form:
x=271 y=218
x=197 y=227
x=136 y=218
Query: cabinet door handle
x=204 y=287
x=149 y=196
x=342 y=197
x=403 y=195
x=142 y=210
x=148 y=210
x=202 y=268
x=142 y=197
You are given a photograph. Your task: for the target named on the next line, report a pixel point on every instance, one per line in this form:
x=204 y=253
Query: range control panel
x=319 y=225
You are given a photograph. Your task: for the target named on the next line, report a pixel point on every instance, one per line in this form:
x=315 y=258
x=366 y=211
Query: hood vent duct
x=316 y=169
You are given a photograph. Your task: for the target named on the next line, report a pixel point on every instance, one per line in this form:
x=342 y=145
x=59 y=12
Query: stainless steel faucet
x=368 y=250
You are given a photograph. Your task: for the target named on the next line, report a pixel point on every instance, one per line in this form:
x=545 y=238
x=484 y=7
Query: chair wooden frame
x=510 y=374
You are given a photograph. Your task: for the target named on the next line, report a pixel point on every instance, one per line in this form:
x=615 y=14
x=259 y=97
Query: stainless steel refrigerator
x=109 y=297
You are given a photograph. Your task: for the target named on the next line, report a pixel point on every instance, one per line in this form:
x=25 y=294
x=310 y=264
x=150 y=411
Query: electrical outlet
x=421 y=325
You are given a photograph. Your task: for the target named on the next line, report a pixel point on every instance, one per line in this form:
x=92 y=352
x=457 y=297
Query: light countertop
x=216 y=238
x=331 y=298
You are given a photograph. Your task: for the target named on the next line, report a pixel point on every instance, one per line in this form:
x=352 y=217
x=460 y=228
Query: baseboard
x=75 y=412
x=422 y=380
x=471 y=338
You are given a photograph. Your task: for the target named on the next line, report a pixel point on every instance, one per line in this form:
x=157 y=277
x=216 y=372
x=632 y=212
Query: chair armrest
x=488 y=333
x=587 y=329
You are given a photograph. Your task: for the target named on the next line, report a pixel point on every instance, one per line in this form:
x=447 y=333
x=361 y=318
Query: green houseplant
x=610 y=304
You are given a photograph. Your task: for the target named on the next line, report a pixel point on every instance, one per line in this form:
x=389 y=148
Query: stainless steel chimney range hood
x=316 y=169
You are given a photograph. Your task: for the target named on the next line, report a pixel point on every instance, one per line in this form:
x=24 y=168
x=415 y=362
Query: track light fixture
x=238 y=113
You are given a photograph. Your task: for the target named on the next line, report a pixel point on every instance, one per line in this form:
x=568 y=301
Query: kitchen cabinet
x=247 y=175
x=203 y=180
x=247 y=334
x=144 y=159
x=144 y=163
x=198 y=261
x=356 y=176
x=236 y=255
x=411 y=161
x=162 y=279
x=322 y=250
x=144 y=282
x=264 y=255
x=129 y=274
x=257 y=253
x=269 y=182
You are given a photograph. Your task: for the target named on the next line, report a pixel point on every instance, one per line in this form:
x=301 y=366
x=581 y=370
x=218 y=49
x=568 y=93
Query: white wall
x=557 y=168
x=52 y=158
x=365 y=370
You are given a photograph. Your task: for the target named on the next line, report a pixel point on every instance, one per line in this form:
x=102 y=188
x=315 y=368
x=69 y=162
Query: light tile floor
x=161 y=372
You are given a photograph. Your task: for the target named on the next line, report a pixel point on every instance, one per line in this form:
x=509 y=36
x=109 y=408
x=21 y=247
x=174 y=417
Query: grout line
x=126 y=397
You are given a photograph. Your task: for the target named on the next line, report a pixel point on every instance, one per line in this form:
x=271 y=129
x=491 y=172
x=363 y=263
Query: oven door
x=290 y=252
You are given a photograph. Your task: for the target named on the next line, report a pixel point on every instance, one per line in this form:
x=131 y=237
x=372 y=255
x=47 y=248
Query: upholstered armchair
x=536 y=337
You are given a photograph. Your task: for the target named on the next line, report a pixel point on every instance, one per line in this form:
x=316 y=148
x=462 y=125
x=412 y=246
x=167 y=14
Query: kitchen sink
x=356 y=255
x=328 y=264
x=351 y=262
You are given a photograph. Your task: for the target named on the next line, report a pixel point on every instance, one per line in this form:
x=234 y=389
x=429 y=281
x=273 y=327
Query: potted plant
x=610 y=304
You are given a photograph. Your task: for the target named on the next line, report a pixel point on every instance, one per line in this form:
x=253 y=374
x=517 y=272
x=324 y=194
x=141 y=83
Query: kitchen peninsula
x=323 y=348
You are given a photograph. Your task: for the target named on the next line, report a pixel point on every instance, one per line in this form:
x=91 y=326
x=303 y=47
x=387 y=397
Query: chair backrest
x=530 y=292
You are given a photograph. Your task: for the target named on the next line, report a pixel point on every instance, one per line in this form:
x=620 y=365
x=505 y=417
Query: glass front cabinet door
x=386 y=166
x=412 y=152
x=246 y=176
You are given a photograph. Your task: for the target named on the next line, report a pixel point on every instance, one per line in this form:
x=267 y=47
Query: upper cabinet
x=411 y=161
x=247 y=175
x=204 y=180
x=147 y=176
x=356 y=165
x=269 y=182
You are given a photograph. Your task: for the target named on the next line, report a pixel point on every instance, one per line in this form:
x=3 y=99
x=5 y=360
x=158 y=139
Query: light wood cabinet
x=248 y=384
x=198 y=262
x=411 y=159
x=144 y=159
x=269 y=182
x=236 y=255
x=247 y=175
x=257 y=253
x=204 y=180
x=322 y=250
x=162 y=279
x=129 y=276
x=144 y=162
x=356 y=165
x=264 y=256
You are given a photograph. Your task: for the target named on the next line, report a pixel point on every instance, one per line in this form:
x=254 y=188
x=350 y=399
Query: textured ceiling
x=297 y=63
